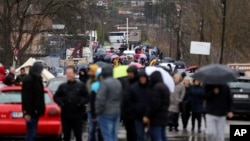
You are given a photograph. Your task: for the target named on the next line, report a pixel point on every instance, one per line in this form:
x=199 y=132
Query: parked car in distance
x=12 y=124
x=60 y=72
x=241 y=96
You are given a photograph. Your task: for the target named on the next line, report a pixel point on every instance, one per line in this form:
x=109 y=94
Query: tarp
x=29 y=63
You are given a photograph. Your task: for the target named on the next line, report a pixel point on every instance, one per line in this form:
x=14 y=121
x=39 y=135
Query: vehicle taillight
x=52 y=112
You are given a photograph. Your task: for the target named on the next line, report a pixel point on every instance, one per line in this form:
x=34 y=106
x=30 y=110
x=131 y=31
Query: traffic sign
x=123 y=28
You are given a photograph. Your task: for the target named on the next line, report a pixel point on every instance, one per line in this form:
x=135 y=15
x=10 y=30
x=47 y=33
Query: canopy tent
x=29 y=63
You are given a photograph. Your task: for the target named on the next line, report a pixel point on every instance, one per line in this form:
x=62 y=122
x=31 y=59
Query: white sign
x=122 y=28
x=202 y=48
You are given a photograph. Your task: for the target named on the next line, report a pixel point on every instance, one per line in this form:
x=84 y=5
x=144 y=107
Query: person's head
x=177 y=78
x=92 y=70
x=12 y=70
x=22 y=71
x=70 y=73
x=132 y=72
x=107 y=71
x=142 y=77
x=187 y=81
x=36 y=69
x=196 y=82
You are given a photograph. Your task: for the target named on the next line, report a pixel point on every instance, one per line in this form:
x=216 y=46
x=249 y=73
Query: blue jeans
x=109 y=126
x=92 y=128
x=31 y=129
x=140 y=130
x=158 y=133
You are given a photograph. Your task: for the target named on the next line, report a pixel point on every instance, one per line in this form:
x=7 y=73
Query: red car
x=12 y=123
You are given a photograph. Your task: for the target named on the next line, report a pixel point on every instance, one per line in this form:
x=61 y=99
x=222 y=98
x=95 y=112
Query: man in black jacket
x=10 y=78
x=72 y=97
x=157 y=109
x=33 y=104
x=125 y=108
x=218 y=106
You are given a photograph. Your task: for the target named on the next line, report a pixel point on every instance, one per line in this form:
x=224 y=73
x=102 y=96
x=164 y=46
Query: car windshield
x=15 y=97
x=54 y=84
x=242 y=85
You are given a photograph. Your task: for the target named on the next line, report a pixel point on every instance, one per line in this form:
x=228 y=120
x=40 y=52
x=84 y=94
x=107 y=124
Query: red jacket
x=2 y=73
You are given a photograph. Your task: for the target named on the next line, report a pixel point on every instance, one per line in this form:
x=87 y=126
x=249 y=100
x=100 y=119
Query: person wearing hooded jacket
x=83 y=75
x=107 y=104
x=33 y=104
x=157 y=109
x=126 y=111
x=138 y=98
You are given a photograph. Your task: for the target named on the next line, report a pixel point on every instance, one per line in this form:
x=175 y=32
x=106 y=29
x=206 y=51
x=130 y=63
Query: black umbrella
x=168 y=60
x=101 y=64
x=215 y=74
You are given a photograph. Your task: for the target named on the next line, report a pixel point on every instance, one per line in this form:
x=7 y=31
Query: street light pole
x=127 y=32
x=224 y=6
x=201 y=36
x=178 y=52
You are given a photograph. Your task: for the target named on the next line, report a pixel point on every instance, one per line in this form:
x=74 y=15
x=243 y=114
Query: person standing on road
x=218 y=106
x=157 y=109
x=33 y=104
x=139 y=98
x=72 y=97
x=10 y=78
x=126 y=111
x=185 y=104
x=196 y=98
x=175 y=100
x=108 y=104
x=19 y=79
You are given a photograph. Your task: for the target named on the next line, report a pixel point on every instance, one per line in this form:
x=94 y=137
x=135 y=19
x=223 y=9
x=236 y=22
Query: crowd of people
x=142 y=102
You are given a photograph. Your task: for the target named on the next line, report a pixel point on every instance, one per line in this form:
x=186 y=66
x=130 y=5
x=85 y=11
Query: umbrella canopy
x=168 y=60
x=143 y=56
x=107 y=57
x=114 y=56
x=120 y=71
x=167 y=79
x=215 y=74
x=138 y=65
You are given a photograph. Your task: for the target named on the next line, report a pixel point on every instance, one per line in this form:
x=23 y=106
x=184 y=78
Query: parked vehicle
x=12 y=124
x=241 y=96
x=54 y=83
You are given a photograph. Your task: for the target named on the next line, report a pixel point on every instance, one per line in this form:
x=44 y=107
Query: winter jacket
x=33 y=103
x=2 y=73
x=218 y=104
x=109 y=95
x=83 y=78
x=176 y=98
x=72 y=97
x=196 y=98
x=126 y=85
x=20 y=78
x=157 y=109
x=10 y=79
x=139 y=98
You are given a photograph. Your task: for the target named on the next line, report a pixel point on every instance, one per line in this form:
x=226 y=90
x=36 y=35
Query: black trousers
x=130 y=129
x=72 y=124
x=196 y=116
x=174 y=120
x=185 y=115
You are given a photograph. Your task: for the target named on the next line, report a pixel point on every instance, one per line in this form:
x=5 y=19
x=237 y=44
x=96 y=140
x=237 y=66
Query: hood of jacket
x=134 y=70
x=36 y=69
x=142 y=73
x=107 y=71
x=85 y=76
x=155 y=78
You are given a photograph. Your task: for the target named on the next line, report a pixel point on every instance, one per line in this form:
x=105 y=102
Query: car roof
x=17 y=88
x=58 y=78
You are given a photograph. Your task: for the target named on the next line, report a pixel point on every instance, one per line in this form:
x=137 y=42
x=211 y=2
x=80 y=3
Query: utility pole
x=224 y=6
x=127 y=34
x=201 y=36
x=178 y=52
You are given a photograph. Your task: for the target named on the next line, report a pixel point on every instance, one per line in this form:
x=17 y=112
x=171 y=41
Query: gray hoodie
x=109 y=96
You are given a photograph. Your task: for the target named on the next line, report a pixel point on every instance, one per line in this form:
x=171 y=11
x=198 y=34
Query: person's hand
x=146 y=120
x=216 y=90
x=230 y=115
x=27 y=118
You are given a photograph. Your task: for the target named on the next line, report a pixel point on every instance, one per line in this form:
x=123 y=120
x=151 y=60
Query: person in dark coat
x=19 y=79
x=139 y=97
x=33 y=104
x=218 y=106
x=72 y=97
x=157 y=109
x=83 y=75
x=127 y=116
x=196 y=99
x=185 y=104
x=10 y=78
